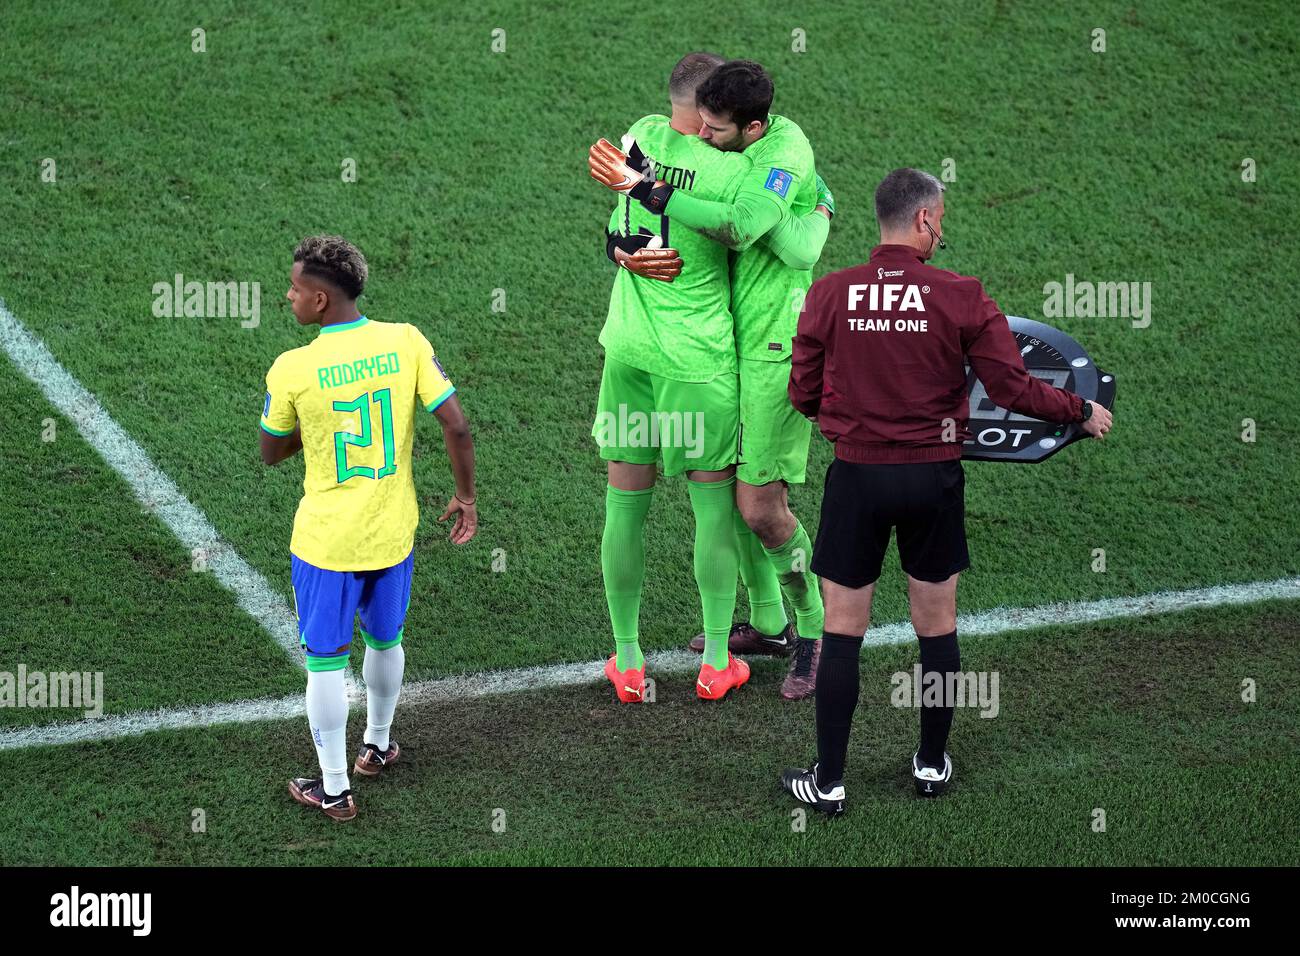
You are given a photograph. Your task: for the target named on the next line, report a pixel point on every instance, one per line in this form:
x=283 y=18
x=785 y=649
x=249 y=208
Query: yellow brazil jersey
x=353 y=393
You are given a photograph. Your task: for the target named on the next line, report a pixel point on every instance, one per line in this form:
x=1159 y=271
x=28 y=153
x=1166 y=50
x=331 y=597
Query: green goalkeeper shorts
x=643 y=418
x=773 y=436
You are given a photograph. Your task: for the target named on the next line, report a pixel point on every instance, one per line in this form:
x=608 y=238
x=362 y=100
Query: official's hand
x=824 y=197
x=651 y=261
x=1098 y=423
x=466 y=525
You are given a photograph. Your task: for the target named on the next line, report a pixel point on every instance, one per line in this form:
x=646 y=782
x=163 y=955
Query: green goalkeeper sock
x=622 y=559
x=715 y=562
x=793 y=564
x=766 y=612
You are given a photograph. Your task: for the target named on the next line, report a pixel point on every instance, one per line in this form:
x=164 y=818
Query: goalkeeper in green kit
x=670 y=386
x=783 y=200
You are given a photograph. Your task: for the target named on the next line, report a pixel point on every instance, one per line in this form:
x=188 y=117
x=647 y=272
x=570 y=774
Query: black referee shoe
x=802 y=785
x=931 y=781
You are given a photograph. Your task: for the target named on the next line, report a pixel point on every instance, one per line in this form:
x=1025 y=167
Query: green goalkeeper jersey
x=682 y=329
x=767 y=294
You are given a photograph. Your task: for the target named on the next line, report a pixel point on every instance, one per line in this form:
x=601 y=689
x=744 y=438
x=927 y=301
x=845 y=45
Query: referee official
x=879 y=362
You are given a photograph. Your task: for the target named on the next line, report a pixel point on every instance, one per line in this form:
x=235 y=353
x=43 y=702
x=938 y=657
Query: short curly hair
x=740 y=89
x=335 y=260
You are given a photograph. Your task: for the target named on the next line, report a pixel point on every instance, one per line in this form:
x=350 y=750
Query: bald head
x=690 y=71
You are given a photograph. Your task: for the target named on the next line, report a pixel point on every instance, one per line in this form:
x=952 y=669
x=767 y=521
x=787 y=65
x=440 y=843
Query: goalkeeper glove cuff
x=628 y=244
x=653 y=196
x=648 y=192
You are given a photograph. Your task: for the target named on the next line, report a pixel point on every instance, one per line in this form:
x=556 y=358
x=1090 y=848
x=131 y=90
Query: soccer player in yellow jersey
x=348 y=400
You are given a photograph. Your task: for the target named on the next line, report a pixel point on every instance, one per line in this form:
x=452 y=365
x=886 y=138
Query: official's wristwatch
x=1087 y=410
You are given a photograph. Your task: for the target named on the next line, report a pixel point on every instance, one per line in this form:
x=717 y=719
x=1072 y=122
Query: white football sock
x=382 y=672
x=327 y=712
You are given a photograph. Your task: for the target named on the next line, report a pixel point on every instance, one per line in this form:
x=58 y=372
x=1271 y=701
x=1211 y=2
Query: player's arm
x=279 y=436
x=798 y=240
x=758 y=205
x=438 y=396
x=460 y=449
x=754 y=210
x=276 y=448
x=808 y=357
x=995 y=359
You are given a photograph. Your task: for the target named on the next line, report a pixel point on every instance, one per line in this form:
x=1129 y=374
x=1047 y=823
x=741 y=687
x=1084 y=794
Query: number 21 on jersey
x=343 y=439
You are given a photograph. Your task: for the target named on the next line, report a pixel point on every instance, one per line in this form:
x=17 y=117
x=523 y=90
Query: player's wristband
x=462 y=500
x=653 y=196
x=648 y=192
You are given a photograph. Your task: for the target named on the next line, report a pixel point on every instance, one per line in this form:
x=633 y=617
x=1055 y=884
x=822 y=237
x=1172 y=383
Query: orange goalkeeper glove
x=651 y=261
x=628 y=172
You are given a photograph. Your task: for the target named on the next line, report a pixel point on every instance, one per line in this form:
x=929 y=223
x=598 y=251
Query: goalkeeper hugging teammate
x=719 y=220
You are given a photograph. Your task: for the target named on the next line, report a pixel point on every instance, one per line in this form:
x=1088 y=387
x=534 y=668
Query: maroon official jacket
x=880 y=358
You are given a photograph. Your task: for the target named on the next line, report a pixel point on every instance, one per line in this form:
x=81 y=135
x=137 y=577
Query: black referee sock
x=837 y=697
x=939 y=655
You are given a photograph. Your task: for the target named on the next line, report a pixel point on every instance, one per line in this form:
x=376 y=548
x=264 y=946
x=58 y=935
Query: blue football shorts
x=328 y=603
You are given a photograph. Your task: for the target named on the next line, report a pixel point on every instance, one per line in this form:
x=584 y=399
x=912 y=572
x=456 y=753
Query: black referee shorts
x=925 y=501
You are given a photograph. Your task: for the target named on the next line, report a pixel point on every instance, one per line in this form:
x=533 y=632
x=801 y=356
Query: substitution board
x=1049 y=354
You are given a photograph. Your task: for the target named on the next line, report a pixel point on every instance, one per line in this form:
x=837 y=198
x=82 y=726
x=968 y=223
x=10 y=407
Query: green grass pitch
x=472 y=191
x=1143 y=721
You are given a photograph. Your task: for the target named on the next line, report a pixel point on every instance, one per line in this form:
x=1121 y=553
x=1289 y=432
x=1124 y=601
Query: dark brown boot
x=746 y=641
x=802 y=678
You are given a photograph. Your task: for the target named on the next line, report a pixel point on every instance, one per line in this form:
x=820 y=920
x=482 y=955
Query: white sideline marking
x=1001 y=620
x=490 y=683
x=155 y=491
x=144 y=721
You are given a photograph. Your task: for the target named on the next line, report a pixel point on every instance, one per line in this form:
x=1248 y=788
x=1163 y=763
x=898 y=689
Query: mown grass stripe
x=489 y=683
x=156 y=492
